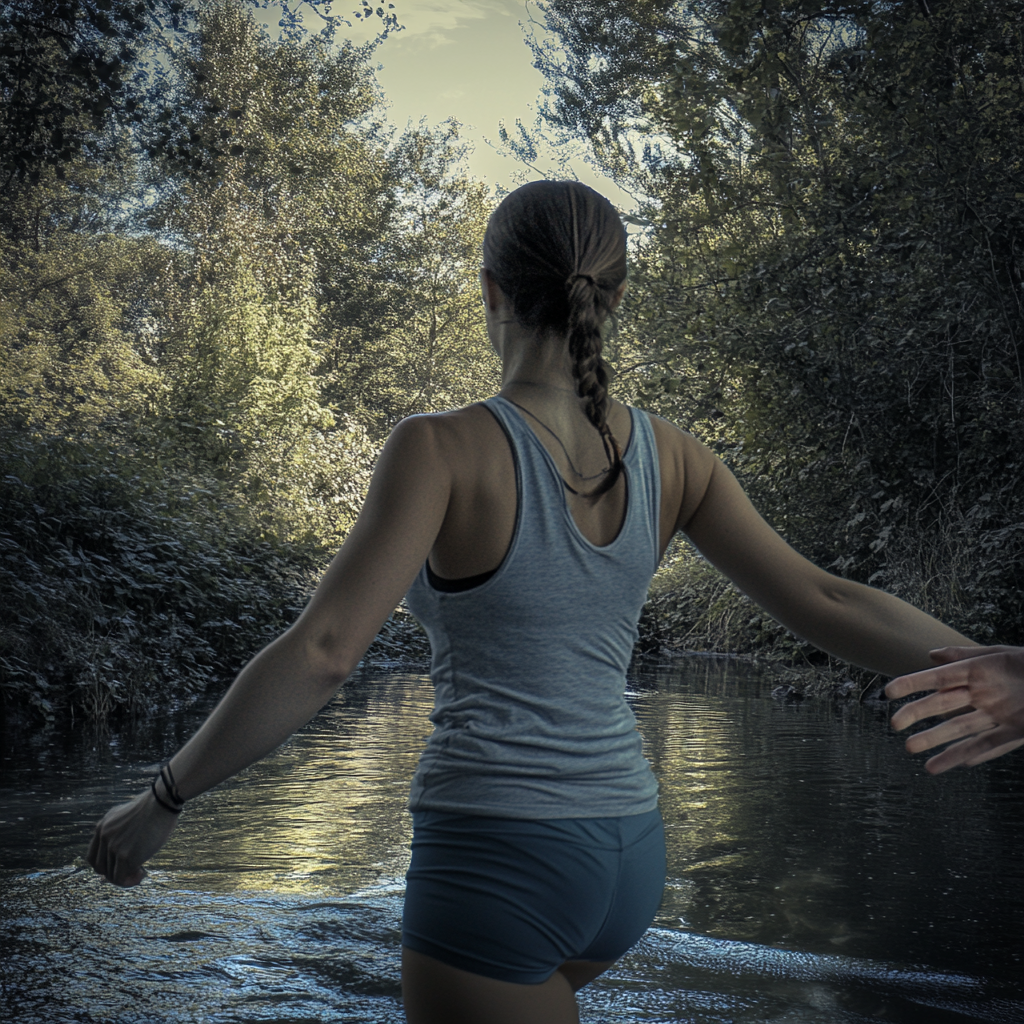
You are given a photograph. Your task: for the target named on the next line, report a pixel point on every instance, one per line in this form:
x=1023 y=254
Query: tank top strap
x=541 y=487
x=643 y=471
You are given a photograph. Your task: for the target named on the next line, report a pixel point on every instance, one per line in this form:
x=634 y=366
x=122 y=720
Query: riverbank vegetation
x=831 y=288
x=226 y=277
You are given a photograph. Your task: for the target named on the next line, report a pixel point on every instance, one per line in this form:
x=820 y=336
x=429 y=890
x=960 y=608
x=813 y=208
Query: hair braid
x=587 y=311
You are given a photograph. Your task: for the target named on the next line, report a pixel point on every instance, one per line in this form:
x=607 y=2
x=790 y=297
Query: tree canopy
x=226 y=277
x=831 y=284
x=209 y=284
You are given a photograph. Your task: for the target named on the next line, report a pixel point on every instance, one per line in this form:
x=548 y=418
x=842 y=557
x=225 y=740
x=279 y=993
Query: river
x=816 y=873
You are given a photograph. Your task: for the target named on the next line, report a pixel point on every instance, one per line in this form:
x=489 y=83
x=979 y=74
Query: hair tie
x=573 y=278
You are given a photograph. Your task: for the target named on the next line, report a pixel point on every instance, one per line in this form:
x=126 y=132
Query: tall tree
x=71 y=67
x=432 y=352
x=283 y=168
x=832 y=282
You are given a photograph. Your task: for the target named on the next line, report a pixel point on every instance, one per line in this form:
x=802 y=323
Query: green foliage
x=72 y=69
x=193 y=293
x=127 y=587
x=122 y=588
x=68 y=357
x=431 y=352
x=832 y=285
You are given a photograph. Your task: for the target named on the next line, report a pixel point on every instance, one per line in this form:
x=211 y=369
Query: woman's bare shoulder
x=681 y=443
x=686 y=468
x=460 y=433
x=459 y=422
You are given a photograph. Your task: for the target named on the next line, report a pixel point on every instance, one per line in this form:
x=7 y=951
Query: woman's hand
x=988 y=679
x=127 y=836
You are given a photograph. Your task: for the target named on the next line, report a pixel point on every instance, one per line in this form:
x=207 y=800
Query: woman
x=525 y=530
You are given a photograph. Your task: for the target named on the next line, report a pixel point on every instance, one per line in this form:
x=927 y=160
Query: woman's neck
x=537 y=365
x=538 y=384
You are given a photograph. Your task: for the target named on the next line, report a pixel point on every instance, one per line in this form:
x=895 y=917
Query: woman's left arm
x=857 y=623
x=287 y=682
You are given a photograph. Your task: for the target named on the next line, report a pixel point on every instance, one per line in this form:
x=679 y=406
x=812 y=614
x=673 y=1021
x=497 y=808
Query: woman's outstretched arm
x=857 y=623
x=293 y=677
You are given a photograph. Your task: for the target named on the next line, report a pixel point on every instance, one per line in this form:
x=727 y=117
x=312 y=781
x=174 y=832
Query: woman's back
x=529 y=662
x=480 y=517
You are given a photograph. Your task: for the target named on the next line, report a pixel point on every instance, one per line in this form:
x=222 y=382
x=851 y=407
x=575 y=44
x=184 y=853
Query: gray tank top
x=529 y=668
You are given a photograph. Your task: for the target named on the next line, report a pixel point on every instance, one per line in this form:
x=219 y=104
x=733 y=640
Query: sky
x=468 y=59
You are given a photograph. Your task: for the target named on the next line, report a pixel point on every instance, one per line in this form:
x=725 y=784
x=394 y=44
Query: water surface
x=816 y=872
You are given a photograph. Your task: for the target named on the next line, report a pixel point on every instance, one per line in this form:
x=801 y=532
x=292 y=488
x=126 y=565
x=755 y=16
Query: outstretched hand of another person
x=127 y=836
x=989 y=680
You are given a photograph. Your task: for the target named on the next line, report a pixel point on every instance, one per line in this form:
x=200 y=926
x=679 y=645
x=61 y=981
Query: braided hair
x=557 y=250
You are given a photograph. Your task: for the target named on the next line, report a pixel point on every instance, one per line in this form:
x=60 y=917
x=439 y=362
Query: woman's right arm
x=292 y=678
x=287 y=682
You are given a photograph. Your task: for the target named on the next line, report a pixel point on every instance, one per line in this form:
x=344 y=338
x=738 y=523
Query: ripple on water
x=75 y=949
x=794 y=833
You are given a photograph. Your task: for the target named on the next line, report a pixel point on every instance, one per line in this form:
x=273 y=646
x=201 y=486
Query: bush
x=127 y=587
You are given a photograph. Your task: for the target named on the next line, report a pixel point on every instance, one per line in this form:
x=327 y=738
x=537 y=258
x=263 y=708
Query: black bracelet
x=170 y=785
x=163 y=803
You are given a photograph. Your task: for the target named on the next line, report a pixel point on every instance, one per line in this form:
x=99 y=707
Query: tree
x=832 y=282
x=433 y=352
x=283 y=164
x=70 y=69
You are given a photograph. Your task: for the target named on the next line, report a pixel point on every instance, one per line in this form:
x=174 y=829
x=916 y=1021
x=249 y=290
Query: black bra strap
x=448 y=586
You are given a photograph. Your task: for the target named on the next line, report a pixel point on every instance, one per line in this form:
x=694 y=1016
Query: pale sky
x=468 y=59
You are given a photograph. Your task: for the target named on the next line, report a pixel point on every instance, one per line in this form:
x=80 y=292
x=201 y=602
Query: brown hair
x=557 y=250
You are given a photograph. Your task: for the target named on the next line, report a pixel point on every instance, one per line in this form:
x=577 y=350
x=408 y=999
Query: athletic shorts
x=513 y=900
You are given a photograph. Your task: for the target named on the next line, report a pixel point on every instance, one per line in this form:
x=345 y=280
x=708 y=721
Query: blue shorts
x=513 y=900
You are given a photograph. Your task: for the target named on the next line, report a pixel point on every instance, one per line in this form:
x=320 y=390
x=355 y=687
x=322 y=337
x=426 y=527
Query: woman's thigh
x=582 y=972
x=437 y=993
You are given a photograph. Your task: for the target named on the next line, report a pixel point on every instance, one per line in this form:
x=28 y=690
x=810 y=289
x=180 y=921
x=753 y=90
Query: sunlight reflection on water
x=815 y=873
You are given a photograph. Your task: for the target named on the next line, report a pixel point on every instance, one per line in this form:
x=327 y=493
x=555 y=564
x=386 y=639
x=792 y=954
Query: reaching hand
x=988 y=679
x=127 y=836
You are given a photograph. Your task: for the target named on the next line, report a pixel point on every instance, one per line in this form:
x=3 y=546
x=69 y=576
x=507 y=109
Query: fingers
x=105 y=861
x=956 y=664
x=126 y=876
x=928 y=707
x=997 y=751
x=953 y=729
x=974 y=750
x=113 y=868
x=939 y=678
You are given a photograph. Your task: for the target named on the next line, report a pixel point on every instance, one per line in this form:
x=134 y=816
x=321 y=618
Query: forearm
x=875 y=630
x=280 y=690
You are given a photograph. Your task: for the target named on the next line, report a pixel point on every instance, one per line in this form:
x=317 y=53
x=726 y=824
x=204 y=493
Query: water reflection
x=815 y=872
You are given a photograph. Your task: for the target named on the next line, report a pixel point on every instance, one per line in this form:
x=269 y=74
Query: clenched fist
x=127 y=836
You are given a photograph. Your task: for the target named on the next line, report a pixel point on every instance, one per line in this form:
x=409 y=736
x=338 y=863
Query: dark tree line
x=831 y=285
x=225 y=277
